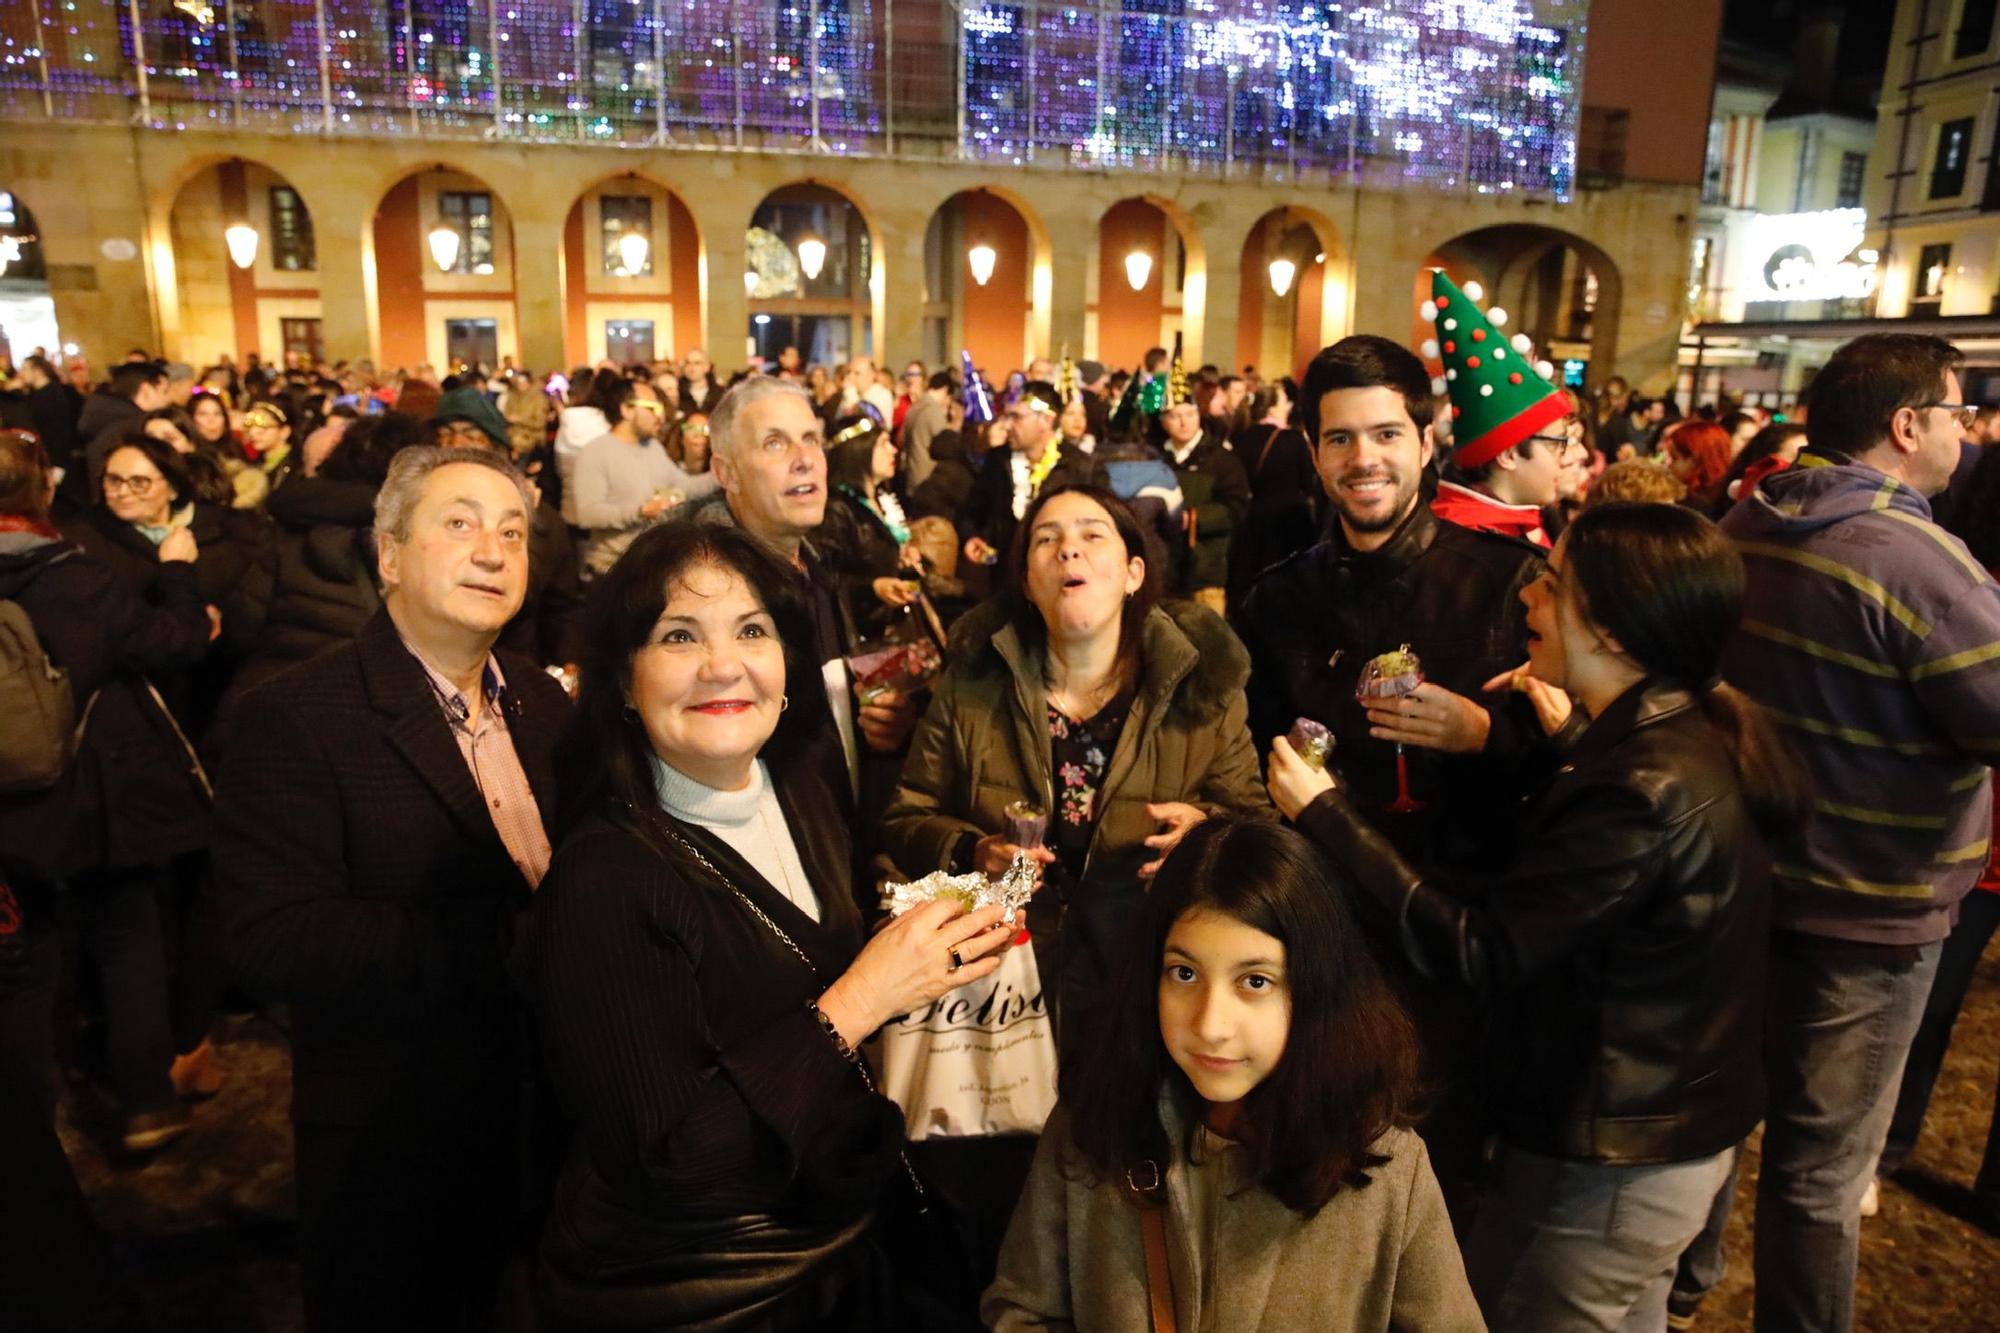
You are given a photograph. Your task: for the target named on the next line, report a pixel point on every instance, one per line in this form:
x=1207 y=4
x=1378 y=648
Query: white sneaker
x=1871 y=1202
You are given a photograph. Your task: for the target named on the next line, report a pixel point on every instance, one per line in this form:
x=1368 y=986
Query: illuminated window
x=470 y=214
x=623 y=216
x=292 y=249
x=1933 y=267
x=628 y=342
x=1954 y=148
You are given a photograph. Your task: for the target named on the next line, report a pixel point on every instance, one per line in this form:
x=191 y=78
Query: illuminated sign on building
x=1806 y=257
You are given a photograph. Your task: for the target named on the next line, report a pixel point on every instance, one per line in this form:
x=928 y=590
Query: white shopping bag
x=981 y=1060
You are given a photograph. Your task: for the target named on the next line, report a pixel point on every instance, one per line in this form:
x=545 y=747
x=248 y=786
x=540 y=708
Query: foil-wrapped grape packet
x=973 y=889
x=1311 y=742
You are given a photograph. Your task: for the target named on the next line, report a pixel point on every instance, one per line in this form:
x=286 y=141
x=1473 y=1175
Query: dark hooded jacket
x=314 y=586
x=985 y=743
x=131 y=797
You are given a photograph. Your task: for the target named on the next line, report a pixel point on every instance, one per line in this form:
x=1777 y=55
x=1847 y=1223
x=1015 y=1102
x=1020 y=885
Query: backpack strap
x=1147 y=1189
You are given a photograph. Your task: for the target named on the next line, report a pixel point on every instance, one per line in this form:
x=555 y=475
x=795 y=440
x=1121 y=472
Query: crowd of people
x=1470 y=811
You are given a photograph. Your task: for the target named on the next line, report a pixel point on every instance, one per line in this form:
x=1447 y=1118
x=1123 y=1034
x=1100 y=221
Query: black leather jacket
x=1624 y=948
x=1454 y=595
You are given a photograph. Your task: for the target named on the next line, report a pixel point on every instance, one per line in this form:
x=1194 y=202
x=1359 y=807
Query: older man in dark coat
x=381 y=828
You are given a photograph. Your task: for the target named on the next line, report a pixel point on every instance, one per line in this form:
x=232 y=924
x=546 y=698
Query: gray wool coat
x=1373 y=1259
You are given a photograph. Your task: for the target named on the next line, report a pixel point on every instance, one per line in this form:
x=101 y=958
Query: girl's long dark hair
x=604 y=761
x=1668 y=586
x=1349 y=1071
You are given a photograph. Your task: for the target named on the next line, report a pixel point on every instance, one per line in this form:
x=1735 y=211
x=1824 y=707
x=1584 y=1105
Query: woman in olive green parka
x=1078 y=691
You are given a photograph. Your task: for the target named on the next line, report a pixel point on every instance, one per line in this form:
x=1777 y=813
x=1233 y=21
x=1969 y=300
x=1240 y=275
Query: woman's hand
x=911 y=961
x=895 y=592
x=1433 y=717
x=1293 y=783
x=1176 y=818
x=993 y=854
x=1552 y=706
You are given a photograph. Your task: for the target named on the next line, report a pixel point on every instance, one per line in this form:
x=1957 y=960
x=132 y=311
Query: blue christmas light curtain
x=1477 y=94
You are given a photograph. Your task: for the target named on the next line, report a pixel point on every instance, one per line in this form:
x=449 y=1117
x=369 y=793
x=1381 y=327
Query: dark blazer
x=362 y=882
x=1624 y=948
x=720 y=1135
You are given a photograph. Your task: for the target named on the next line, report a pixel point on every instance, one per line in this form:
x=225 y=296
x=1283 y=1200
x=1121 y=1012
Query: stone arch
x=27 y=309
x=669 y=293
x=1561 y=290
x=1280 y=333
x=1004 y=322
x=210 y=304
x=786 y=294
x=419 y=313
x=1123 y=321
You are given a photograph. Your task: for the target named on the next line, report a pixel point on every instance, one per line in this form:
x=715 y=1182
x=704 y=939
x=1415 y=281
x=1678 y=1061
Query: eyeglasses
x=649 y=404
x=1965 y=413
x=140 y=487
x=1559 y=444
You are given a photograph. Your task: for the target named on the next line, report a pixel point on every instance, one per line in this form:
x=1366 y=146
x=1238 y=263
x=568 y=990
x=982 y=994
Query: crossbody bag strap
x=1147 y=1189
x=860 y=1064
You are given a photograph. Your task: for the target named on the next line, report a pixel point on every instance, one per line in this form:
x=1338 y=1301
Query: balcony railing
x=1479 y=97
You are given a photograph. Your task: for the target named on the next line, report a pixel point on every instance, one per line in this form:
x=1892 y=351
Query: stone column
x=1072 y=250
x=538 y=294
x=350 y=325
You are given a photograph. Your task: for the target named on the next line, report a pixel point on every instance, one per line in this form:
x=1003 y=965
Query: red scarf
x=41 y=527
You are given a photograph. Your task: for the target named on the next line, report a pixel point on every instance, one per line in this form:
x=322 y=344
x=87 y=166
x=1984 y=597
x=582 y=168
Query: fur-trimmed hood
x=1190 y=658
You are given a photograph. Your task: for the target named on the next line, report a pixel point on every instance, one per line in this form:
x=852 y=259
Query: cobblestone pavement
x=204 y=1227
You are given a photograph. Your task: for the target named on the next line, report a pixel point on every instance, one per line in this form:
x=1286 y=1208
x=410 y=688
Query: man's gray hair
x=722 y=423
x=396 y=502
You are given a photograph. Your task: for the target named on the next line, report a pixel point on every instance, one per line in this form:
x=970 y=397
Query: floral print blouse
x=1080 y=754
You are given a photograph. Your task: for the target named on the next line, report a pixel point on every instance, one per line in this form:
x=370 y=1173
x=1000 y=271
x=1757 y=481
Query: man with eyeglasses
x=625 y=480
x=1872 y=637
x=1506 y=491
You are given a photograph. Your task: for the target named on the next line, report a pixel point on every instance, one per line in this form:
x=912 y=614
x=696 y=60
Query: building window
x=1853 y=175
x=1954 y=148
x=292 y=249
x=472 y=342
x=1975 y=29
x=1933 y=267
x=470 y=214
x=623 y=216
x=301 y=339
x=628 y=342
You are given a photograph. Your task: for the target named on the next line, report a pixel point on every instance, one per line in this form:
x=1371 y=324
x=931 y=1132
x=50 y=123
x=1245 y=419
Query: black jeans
x=1978 y=917
x=117 y=916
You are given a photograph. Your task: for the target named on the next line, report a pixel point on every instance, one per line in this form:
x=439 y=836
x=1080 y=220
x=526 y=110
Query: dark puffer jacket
x=315 y=585
x=1624 y=949
x=130 y=797
x=985 y=743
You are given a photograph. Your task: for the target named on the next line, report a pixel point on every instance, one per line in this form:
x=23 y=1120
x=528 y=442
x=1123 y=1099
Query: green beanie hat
x=1498 y=396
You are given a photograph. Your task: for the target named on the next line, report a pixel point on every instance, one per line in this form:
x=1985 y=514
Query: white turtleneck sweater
x=750 y=821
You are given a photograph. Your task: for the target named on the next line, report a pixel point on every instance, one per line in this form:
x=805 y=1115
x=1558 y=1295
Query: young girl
x=1246 y=1094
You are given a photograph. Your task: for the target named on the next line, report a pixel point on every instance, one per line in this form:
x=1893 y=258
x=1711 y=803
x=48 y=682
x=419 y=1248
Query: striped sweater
x=1873 y=638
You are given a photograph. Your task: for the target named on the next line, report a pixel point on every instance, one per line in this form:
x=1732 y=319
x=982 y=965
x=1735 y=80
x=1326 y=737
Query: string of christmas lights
x=1471 y=93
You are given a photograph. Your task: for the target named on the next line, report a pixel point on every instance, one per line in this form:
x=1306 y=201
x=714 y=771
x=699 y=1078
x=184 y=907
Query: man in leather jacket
x=1392 y=574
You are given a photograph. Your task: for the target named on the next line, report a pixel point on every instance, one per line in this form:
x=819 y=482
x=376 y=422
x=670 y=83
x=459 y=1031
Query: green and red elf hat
x=1498 y=397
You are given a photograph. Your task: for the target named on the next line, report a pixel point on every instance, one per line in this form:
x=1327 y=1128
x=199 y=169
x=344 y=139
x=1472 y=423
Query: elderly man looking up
x=380 y=827
x=770 y=458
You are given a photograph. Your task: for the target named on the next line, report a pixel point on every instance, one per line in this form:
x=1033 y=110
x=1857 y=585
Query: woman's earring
x=631 y=713
x=784 y=702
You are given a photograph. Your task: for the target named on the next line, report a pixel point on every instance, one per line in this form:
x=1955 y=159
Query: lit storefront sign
x=1806 y=257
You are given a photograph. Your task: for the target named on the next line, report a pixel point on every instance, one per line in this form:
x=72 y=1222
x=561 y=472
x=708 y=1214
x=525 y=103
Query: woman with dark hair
x=1624 y=951
x=702 y=978
x=1249 y=1090
x=1080 y=692
x=1286 y=498
x=866 y=535
x=1771 y=449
